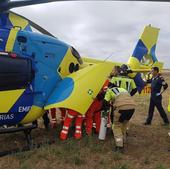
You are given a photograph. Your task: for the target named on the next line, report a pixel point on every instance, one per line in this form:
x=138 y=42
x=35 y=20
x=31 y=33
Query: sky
x=102 y=29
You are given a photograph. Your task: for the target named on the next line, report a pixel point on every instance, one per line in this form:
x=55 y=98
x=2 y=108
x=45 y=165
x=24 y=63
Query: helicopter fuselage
x=30 y=69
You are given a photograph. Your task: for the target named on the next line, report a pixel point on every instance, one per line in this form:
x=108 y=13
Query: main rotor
x=8 y=4
x=5 y=5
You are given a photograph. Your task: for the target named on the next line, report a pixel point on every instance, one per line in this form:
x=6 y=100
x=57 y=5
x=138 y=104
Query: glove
x=158 y=94
x=104 y=113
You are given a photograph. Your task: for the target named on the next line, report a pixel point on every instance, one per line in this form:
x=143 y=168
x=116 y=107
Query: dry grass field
x=146 y=148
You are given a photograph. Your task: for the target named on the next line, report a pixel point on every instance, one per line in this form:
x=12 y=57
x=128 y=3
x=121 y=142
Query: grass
x=146 y=148
x=146 y=161
x=117 y=156
x=161 y=167
x=122 y=166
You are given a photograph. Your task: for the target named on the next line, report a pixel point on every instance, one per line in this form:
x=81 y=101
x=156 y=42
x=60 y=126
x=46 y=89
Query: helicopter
x=39 y=72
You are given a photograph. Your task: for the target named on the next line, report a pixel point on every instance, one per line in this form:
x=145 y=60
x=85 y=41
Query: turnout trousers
x=120 y=124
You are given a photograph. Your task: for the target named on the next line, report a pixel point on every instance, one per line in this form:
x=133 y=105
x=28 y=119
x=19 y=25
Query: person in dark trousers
x=157 y=82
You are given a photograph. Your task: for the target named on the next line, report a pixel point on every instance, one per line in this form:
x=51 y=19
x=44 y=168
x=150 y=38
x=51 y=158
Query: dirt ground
x=146 y=147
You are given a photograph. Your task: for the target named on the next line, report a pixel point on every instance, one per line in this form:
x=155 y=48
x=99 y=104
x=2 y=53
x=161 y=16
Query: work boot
x=77 y=134
x=63 y=135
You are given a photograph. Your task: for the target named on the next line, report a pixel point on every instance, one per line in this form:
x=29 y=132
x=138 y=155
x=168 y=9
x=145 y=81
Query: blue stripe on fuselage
x=4 y=33
x=5 y=26
x=4 y=21
x=19 y=109
x=152 y=52
x=140 y=50
x=62 y=91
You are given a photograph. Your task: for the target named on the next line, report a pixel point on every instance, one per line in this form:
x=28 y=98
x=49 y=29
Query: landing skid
x=27 y=131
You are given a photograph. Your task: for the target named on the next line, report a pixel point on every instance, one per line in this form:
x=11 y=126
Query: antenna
x=108 y=57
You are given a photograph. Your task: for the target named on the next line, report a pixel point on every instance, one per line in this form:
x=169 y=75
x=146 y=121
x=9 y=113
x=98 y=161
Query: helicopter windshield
x=76 y=55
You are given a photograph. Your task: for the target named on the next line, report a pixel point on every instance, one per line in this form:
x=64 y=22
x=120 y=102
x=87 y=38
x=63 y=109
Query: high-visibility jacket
x=120 y=98
x=124 y=82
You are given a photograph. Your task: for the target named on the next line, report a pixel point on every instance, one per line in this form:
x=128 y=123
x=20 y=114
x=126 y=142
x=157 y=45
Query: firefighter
x=71 y=114
x=120 y=79
x=115 y=72
x=124 y=107
x=157 y=82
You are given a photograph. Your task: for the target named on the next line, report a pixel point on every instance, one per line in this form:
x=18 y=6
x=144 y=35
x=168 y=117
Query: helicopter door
x=15 y=73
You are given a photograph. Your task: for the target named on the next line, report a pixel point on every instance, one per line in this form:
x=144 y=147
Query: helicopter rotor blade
x=8 y=4
x=146 y=0
x=13 y=4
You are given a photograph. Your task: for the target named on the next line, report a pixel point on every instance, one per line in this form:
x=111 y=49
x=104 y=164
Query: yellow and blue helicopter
x=39 y=72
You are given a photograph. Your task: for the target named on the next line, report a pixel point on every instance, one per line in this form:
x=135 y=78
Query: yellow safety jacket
x=112 y=93
x=123 y=82
x=120 y=98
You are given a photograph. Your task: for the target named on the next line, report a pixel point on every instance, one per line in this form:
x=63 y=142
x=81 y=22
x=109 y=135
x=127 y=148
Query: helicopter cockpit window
x=15 y=73
x=76 y=55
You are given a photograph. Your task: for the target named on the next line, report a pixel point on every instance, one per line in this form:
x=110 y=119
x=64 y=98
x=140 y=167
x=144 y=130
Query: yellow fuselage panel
x=34 y=113
x=150 y=36
x=65 y=64
x=18 y=23
x=88 y=79
x=11 y=40
x=8 y=99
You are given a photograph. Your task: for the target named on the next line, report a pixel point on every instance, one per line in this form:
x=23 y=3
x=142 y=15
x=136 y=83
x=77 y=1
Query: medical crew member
x=71 y=114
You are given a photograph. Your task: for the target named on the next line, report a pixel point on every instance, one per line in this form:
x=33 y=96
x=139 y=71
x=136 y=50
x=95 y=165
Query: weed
x=160 y=167
x=146 y=161
x=122 y=166
x=117 y=156
x=78 y=160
